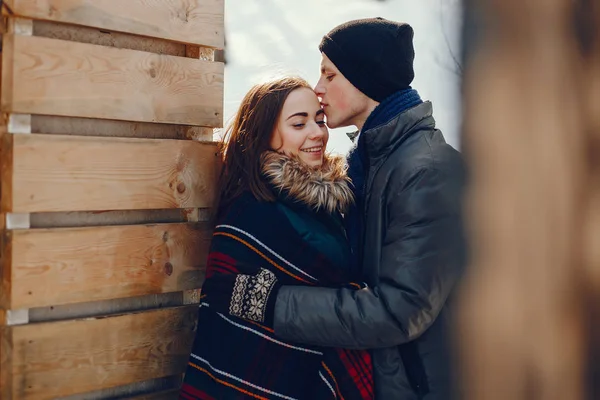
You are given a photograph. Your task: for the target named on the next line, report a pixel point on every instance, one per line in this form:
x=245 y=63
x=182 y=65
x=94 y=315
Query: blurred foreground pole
x=530 y=306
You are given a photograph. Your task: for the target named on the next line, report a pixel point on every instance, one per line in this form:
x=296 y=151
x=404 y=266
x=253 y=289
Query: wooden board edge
x=5 y=269
x=7 y=87
x=5 y=359
x=6 y=172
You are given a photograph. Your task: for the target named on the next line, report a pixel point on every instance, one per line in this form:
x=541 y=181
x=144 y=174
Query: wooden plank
x=56 y=77
x=198 y=22
x=5 y=358
x=70 y=173
x=6 y=166
x=60 y=266
x=5 y=288
x=95 y=353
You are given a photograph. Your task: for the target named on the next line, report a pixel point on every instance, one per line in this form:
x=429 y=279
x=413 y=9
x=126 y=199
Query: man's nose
x=319 y=88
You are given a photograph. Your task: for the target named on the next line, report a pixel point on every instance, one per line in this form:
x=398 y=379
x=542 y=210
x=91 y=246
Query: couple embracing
x=332 y=277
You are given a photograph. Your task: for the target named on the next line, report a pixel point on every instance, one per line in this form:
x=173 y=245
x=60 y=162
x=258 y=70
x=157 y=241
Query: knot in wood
x=169 y=268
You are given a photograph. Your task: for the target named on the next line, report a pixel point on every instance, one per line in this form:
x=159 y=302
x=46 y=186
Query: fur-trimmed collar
x=324 y=188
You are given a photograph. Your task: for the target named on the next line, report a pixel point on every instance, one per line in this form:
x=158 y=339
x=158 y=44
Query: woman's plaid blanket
x=233 y=358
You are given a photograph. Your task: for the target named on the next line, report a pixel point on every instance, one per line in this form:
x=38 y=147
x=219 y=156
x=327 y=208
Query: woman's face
x=301 y=128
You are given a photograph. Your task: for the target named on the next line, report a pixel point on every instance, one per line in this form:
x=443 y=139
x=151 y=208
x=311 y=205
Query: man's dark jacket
x=412 y=256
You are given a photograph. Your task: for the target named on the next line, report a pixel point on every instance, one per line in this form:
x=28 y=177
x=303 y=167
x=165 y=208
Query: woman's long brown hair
x=249 y=136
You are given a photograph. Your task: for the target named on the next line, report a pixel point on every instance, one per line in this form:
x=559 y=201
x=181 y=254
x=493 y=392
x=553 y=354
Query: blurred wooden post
x=529 y=320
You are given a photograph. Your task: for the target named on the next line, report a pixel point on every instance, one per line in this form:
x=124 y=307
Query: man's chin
x=336 y=123
x=333 y=124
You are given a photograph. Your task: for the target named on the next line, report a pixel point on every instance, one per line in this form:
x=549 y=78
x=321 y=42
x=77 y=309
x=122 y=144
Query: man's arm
x=422 y=258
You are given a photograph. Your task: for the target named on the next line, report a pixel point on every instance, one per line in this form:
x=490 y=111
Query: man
x=405 y=230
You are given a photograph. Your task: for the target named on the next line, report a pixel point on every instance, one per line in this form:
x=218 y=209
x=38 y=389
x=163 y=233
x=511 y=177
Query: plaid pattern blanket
x=235 y=358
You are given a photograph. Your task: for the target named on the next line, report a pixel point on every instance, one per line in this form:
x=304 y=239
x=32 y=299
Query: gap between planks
x=102 y=309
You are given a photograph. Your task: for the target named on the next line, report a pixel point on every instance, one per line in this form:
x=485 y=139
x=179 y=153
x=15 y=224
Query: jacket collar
x=326 y=188
x=383 y=139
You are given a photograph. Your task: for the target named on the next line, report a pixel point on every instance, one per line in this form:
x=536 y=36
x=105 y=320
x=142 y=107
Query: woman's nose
x=316 y=132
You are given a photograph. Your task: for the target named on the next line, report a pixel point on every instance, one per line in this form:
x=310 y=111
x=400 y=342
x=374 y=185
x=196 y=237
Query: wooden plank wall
x=108 y=175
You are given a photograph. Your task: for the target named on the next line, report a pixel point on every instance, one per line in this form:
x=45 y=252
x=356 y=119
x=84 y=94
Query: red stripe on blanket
x=359 y=366
x=191 y=393
x=270 y=261
x=222 y=382
x=220 y=261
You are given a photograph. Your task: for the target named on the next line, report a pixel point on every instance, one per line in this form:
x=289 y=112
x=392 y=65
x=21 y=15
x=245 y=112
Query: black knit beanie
x=375 y=54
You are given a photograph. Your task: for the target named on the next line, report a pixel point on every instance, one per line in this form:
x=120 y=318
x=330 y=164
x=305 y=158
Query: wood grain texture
x=56 y=77
x=5 y=278
x=60 y=266
x=50 y=360
x=71 y=173
x=5 y=177
x=5 y=359
x=198 y=22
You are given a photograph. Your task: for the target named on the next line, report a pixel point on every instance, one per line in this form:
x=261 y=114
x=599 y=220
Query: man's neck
x=360 y=120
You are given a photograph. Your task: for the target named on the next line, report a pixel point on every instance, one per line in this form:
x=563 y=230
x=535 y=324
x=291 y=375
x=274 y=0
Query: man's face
x=344 y=104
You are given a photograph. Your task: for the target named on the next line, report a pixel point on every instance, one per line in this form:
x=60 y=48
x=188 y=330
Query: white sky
x=270 y=38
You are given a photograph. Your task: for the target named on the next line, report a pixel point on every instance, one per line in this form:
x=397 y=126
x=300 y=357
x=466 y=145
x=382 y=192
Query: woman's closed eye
x=321 y=123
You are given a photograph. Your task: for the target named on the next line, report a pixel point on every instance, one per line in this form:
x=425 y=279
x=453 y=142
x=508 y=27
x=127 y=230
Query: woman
x=278 y=220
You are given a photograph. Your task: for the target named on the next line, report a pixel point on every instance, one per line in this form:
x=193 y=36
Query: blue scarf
x=357 y=159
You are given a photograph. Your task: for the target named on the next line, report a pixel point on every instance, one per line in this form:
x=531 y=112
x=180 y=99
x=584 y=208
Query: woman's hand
x=250 y=297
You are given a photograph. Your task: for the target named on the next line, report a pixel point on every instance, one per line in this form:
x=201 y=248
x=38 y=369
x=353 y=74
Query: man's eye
x=329 y=77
